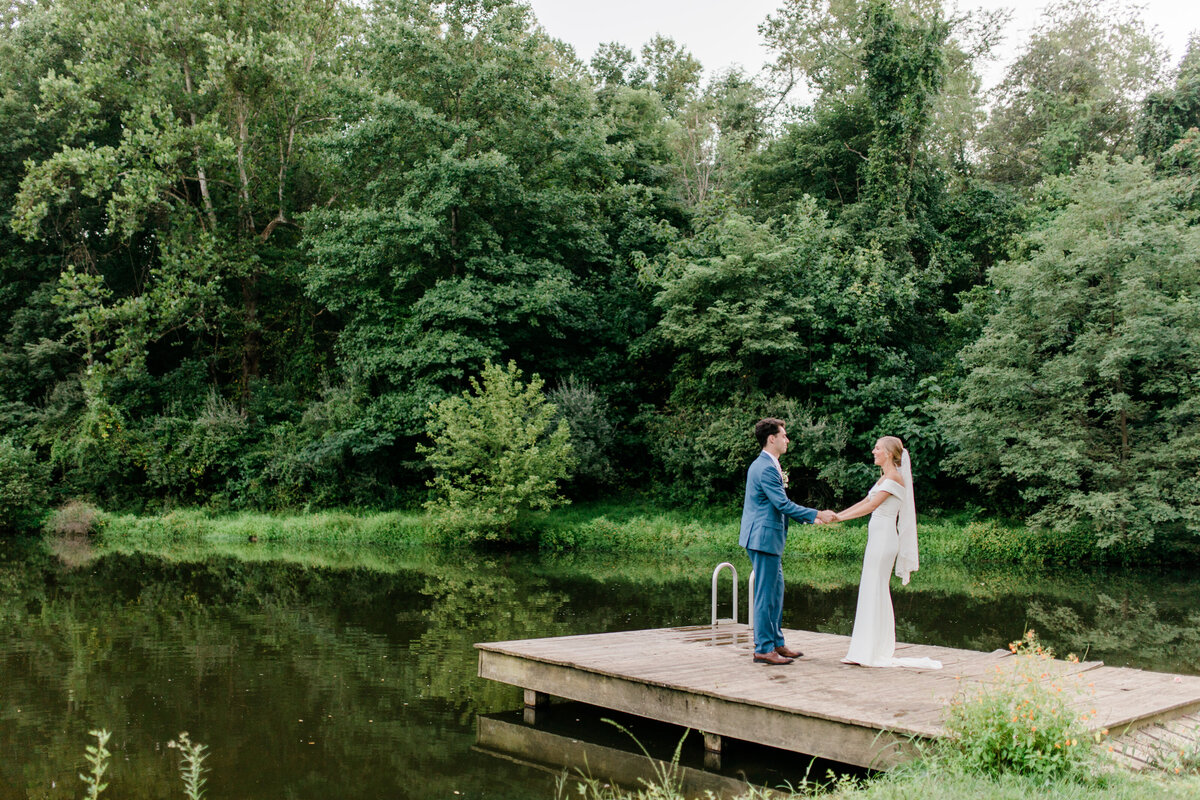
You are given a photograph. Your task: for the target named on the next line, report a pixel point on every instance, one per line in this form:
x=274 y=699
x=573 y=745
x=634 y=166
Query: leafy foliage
x=593 y=436
x=24 y=487
x=243 y=250
x=1021 y=722
x=1168 y=114
x=705 y=452
x=1074 y=90
x=497 y=452
x=1082 y=395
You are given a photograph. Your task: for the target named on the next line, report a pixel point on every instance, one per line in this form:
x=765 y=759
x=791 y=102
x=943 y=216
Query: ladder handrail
x=717 y=572
x=750 y=591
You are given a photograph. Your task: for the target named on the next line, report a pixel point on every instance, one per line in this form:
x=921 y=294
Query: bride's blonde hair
x=894 y=447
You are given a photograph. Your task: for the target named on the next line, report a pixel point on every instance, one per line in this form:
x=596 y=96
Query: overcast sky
x=722 y=33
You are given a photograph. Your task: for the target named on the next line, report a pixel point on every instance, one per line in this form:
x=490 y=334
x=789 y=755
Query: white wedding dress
x=873 y=643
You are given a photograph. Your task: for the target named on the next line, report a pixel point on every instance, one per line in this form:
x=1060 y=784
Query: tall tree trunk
x=252 y=336
x=201 y=176
x=243 y=122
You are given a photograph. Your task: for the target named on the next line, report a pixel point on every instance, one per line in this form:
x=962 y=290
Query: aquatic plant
x=97 y=756
x=191 y=765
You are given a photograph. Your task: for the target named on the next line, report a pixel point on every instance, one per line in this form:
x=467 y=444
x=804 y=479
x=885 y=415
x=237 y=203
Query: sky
x=723 y=33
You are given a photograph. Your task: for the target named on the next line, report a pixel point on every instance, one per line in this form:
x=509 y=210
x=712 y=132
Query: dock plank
x=703 y=677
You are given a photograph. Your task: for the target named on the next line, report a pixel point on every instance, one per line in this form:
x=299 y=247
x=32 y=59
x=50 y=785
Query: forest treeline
x=245 y=247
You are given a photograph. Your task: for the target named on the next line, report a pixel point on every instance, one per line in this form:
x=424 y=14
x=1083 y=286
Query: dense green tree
x=24 y=495
x=1082 y=397
x=672 y=71
x=819 y=155
x=244 y=248
x=1074 y=90
x=905 y=68
x=482 y=218
x=32 y=354
x=171 y=194
x=793 y=307
x=1168 y=114
x=499 y=450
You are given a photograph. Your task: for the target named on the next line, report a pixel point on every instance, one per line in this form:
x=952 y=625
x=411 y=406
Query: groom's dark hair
x=766 y=427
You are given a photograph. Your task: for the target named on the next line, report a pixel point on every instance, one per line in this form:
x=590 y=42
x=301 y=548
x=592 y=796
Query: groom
x=765 y=515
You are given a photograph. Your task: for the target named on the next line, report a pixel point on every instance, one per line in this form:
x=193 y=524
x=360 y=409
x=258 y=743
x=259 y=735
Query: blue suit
x=765 y=514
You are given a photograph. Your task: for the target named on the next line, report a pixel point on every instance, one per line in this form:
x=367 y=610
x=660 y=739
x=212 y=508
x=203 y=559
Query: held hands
x=826 y=516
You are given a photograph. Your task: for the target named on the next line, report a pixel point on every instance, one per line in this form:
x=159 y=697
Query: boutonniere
x=785 y=478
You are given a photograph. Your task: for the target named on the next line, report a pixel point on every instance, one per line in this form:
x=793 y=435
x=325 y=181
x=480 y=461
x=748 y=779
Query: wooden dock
x=555 y=754
x=702 y=677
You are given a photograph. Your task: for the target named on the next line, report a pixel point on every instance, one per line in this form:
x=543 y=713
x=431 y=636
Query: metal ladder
x=733 y=619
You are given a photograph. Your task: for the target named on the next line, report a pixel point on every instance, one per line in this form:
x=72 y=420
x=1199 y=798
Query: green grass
x=626 y=527
x=934 y=780
x=336 y=527
x=640 y=526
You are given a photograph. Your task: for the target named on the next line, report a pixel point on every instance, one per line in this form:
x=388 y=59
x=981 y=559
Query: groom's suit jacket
x=766 y=508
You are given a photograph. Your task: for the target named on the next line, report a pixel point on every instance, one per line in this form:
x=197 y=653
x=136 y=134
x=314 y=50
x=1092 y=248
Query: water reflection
x=326 y=672
x=581 y=742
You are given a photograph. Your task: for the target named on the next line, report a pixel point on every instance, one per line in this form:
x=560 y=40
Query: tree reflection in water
x=323 y=672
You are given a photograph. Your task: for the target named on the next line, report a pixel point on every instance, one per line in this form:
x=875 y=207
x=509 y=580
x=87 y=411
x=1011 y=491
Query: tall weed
x=97 y=757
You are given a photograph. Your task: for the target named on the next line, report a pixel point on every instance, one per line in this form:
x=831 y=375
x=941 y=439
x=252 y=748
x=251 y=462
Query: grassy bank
x=340 y=528
x=626 y=527
x=936 y=781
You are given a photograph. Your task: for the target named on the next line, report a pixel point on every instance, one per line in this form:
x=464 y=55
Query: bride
x=891 y=540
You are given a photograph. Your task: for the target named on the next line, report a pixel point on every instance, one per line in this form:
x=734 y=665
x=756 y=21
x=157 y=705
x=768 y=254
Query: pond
x=325 y=673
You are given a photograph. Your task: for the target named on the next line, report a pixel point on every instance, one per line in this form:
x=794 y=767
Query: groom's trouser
x=768 y=600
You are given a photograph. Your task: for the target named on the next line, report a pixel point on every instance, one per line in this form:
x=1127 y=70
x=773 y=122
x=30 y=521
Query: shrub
x=1022 y=722
x=496 y=453
x=1026 y=544
x=76 y=518
x=705 y=451
x=194 y=458
x=24 y=488
x=592 y=433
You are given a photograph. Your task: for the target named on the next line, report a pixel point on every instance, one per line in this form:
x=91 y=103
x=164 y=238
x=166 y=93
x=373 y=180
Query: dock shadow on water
x=327 y=672
x=581 y=743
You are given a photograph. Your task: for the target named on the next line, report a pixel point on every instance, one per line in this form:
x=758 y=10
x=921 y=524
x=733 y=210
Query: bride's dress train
x=873 y=643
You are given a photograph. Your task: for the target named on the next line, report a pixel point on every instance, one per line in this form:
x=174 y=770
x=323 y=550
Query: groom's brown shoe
x=788 y=652
x=770 y=658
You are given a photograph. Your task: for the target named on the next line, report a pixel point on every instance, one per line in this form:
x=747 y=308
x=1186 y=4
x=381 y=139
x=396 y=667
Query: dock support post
x=534 y=701
x=712 y=751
